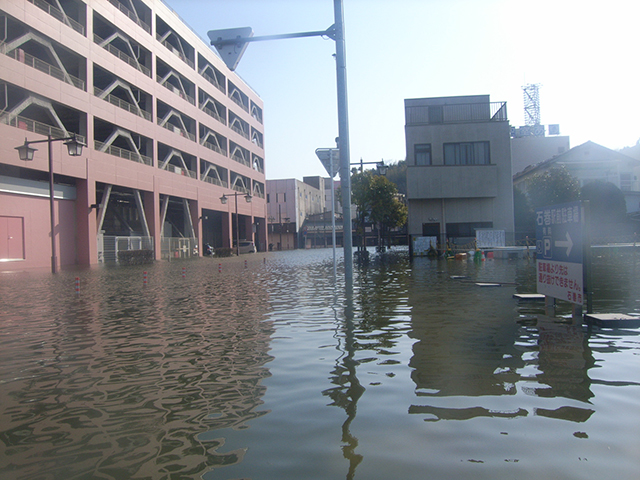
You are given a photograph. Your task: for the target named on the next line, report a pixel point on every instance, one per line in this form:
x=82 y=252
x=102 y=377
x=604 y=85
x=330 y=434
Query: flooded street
x=267 y=370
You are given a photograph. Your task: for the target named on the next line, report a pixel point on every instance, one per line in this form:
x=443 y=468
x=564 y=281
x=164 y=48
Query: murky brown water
x=270 y=372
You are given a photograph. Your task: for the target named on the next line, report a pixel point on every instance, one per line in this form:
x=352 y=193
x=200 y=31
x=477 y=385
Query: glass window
x=467 y=153
x=423 y=153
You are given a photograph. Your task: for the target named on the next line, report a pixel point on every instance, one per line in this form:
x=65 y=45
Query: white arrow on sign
x=568 y=244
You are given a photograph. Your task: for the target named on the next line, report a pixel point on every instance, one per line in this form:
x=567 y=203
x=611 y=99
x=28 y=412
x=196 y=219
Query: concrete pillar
x=151 y=202
x=86 y=221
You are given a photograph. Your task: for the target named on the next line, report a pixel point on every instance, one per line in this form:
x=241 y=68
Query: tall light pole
x=26 y=152
x=231 y=44
x=224 y=200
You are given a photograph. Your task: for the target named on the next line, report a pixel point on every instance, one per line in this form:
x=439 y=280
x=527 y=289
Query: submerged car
x=247 y=247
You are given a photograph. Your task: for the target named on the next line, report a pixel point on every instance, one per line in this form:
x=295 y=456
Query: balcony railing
x=122 y=153
x=176 y=52
x=172 y=128
x=241 y=189
x=181 y=171
x=58 y=15
x=213 y=114
x=118 y=102
x=175 y=90
x=37 y=127
x=215 y=148
x=241 y=160
x=462 y=113
x=215 y=181
x=122 y=56
x=214 y=81
x=239 y=102
x=34 y=62
x=131 y=15
x=239 y=131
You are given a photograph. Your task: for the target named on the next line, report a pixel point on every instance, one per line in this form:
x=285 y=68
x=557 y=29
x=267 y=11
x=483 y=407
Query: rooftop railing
x=462 y=113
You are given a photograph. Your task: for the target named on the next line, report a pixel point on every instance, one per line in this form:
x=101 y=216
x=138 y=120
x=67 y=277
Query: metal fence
x=178 y=247
x=109 y=246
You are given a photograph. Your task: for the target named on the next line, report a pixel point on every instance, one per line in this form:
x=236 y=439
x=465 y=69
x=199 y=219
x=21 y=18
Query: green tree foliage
x=607 y=203
x=524 y=216
x=376 y=199
x=397 y=174
x=551 y=187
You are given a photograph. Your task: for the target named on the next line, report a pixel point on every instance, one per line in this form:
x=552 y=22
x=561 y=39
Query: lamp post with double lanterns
x=224 y=199
x=380 y=166
x=26 y=153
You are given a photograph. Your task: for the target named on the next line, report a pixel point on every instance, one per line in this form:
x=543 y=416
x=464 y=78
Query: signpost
x=559 y=252
x=330 y=158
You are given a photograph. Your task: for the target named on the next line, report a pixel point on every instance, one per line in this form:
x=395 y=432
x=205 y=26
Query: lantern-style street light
x=26 y=153
x=224 y=200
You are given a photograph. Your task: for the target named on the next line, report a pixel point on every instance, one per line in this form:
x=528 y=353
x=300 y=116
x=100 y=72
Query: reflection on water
x=237 y=374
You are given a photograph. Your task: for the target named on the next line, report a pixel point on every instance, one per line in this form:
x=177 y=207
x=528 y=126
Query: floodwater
x=266 y=370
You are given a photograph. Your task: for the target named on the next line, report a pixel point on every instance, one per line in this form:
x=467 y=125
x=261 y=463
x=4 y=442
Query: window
x=422 y=153
x=468 y=153
x=268 y=201
x=284 y=196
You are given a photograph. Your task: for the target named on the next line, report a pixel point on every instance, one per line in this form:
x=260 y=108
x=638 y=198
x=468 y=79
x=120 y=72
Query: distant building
x=589 y=162
x=459 y=176
x=289 y=203
x=530 y=150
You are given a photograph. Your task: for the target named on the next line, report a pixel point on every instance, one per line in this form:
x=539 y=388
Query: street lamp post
x=26 y=152
x=224 y=199
x=231 y=44
x=380 y=166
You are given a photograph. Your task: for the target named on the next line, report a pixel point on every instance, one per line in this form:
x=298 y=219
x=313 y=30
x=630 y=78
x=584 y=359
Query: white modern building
x=459 y=176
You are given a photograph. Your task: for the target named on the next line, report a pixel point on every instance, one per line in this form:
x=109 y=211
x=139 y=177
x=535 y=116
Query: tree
x=606 y=204
x=523 y=215
x=376 y=199
x=397 y=174
x=551 y=187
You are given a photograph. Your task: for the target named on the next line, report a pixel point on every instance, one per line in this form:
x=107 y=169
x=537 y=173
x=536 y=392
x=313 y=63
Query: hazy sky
x=582 y=52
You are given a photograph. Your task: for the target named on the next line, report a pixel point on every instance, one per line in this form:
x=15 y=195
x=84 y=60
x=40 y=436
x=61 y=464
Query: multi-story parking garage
x=168 y=131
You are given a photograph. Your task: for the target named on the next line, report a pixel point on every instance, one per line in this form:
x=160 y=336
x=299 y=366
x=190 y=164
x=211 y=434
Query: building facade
x=459 y=176
x=289 y=203
x=168 y=131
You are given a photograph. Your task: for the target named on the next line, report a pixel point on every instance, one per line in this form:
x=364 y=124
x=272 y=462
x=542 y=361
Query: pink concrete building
x=169 y=130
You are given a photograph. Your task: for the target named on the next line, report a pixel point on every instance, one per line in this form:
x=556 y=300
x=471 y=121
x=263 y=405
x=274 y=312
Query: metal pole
x=343 y=132
x=333 y=220
x=52 y=218
x=280 y=221
x=237 y=228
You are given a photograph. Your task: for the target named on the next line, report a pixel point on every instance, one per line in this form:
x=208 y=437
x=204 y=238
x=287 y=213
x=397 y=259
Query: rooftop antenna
x=531 y=104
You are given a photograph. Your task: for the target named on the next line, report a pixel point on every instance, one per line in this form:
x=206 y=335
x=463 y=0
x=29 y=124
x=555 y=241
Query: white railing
x=42 y=66
x=178 y=247
x=58 y=15
x=109 y=246
x=38 y=127
x=122 y=56
x=131 y=15
x=118 y=102
x=122 y=153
